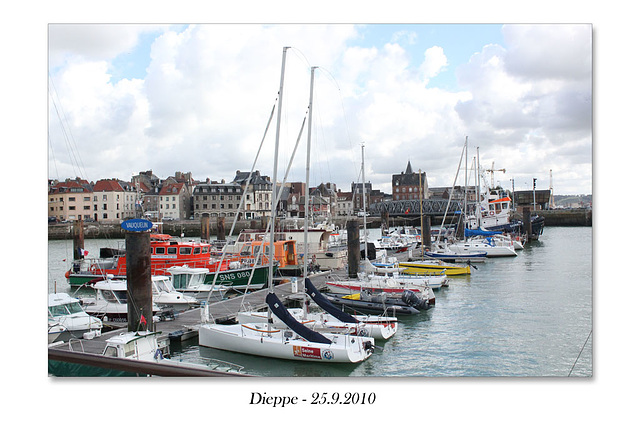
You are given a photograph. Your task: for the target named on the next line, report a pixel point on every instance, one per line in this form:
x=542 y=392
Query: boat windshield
x=65 y=309
x=114 y=296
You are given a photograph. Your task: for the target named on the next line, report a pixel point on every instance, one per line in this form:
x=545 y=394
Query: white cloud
x=204 y=102
x=434 y=61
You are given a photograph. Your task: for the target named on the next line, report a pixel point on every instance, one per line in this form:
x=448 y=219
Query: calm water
x=525 y=316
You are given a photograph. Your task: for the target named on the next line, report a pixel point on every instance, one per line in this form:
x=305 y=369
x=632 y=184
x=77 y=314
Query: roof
x=256 y=178
x=172 y=188
x=76 y=186
x=107 y=185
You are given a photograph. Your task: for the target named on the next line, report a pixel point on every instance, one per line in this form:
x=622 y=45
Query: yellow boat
x=431 y=267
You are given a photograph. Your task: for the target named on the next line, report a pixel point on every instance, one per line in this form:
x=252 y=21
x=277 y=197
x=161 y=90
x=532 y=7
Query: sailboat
x=469 y=246
x=330 y=318
x=296 y=341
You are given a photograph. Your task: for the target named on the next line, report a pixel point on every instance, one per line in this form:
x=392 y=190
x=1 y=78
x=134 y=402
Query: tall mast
x=364 y=208
x=306 y=195
x=466 y=158
x=274 y=195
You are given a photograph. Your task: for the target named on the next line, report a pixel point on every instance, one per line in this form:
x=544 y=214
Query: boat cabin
x=141 y=345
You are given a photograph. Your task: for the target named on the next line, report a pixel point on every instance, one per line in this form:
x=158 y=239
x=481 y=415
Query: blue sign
x=137 y=224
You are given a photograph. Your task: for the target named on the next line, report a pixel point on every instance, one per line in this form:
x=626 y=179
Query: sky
x=126 y=98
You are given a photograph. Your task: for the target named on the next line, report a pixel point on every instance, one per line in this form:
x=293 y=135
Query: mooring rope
x=579 y=354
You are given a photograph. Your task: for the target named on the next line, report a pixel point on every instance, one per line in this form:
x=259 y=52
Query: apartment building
x=173 y=201
x=113 y=200
x=70 y=200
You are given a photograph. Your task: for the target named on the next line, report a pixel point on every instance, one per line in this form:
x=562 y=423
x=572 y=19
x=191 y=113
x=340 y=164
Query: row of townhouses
x=181 y=197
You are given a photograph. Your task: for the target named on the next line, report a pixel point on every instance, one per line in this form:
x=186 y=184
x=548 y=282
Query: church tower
x=406 y=185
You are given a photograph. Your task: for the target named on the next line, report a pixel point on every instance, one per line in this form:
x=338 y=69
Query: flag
x=142 y=319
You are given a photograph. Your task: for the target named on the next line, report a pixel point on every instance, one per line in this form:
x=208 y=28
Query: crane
x=492 y=170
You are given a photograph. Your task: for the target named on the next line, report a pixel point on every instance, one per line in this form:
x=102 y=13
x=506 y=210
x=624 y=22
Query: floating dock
x=185 y=325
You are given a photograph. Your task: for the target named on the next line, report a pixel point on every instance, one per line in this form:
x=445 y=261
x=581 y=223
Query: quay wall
x=192 y=228
x=567 y=217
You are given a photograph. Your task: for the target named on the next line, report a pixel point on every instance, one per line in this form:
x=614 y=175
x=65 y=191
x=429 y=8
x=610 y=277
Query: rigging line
x=235 y=220
x=66 y=121
x=53 y=154
x=344 y=114
x=579 y=354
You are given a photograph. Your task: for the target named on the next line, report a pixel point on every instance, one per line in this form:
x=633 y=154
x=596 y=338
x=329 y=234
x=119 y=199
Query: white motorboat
x=110 y=302
x=54 y=331
x=190 y=281
x=71 y=320
x=151 y=347
x=384 y=284
x=484 y=245
x=166 y=296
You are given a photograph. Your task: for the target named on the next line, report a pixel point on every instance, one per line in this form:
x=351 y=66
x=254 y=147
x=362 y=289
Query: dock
x=183 y=326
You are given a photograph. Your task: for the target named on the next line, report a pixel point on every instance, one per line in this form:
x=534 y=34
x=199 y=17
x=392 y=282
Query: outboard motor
x=410 y=298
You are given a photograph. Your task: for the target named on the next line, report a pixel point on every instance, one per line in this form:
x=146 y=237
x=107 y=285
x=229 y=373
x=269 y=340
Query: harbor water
x=524 y=316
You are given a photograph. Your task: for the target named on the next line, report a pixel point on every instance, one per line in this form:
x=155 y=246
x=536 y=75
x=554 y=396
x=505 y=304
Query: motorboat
x=153 y=347
x=68 y=318
x=110 y=302
x=434 y=266
x=408 y=303
x=485 y=245
x=191 y=281
x=166 y=296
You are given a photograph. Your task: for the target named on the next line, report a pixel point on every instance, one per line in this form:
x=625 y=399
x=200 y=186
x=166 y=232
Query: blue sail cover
x=479 y=232
x=283 y=314
x=326 y=305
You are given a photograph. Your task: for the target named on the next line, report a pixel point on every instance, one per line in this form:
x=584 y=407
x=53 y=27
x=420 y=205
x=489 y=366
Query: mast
x=364 y=208
x=306 y=191
x=274 y=200
x=421 y=218
x=466 y=158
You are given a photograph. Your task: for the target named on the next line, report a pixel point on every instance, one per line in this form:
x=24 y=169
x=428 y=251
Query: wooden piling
x=426 y=232
x=353 y=248
x=526 y=220
x=78 y=239
x=139 y=302
x=205 y=228
x=220 y=234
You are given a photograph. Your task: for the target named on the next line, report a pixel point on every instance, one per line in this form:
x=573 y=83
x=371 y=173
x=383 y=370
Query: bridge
x=430 y=207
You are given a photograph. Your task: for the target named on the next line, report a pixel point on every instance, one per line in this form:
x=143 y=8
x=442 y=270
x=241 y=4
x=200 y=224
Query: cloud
x=532 y=95
x=205 y=97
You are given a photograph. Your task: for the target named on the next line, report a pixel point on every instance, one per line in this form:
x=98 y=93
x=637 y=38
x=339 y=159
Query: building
x=356 y=190
x=344 y=205
x=407 y=185
x=113 y=200
x=216 y=199
x=70 y=200
x=174 y=202
x=257 y=201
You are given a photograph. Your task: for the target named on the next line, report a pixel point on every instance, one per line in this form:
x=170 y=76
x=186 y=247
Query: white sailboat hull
x=492 y=251
x=260 y=339
x=376 y=327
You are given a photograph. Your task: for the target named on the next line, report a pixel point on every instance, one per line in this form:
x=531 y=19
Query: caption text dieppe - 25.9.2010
x=316 y=398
